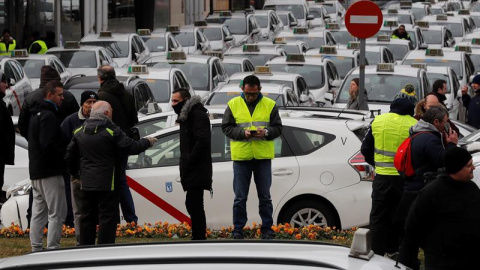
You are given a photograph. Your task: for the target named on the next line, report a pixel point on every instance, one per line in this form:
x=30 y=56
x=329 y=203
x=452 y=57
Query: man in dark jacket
x=400 y=33
x=380 y=144
x=473 y=103
x=125 y=117
x=195 y=156
x=7 y=138
x=94 y=156
x=439 y=89
x=72 y=122
x=444 y=219
x=46 y=167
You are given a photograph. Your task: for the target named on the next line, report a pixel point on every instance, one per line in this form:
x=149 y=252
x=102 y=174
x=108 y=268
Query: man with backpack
x=379 y=146
x=427 y=155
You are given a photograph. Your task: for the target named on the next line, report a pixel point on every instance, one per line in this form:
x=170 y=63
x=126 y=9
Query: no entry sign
x=363 y=19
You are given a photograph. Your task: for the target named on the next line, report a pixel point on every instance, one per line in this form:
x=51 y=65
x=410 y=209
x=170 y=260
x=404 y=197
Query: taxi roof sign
x=319 y=1
x=295 y=57
x=225 y=13
x=353 y=45
x=200 y=23
x=476 y=41
x=218 y=54
x=332 y=26
x=383 y=38
x=71 y=45
x=263 y=70
x=405 y=4
x=19 y=53
x=105 y=34
x=450 y=14
x=419 y=65
x=280 y=40
x=464 y=12
x=300 y=30
x=442 y=17
x=385 y=67
x=392 y=11
x=173 y=28
x=137 y=69
x=463 y=48
x=434 y=52
x=143 y=32
x=251 y=48
x=328 y=49
x=176 y=56
x=390 y=23
x=423 y=24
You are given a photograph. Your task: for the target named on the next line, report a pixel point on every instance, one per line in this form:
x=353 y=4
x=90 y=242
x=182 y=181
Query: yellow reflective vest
x=253 y=148
x=42 y=44
x=389 y=131
x=11 y=47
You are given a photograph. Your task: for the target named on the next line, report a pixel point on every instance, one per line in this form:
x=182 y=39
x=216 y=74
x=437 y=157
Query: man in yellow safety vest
x=7 y=43
x=38 y=46
x=251 y=122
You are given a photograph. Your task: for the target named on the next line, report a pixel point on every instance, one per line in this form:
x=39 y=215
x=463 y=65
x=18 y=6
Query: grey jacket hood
x=423 y=126
x=189 y=104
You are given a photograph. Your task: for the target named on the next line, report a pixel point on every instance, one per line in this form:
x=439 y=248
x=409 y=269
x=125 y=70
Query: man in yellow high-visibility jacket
x=252 y=122
x=379 y=146
x=7 y=43
x=38 y=46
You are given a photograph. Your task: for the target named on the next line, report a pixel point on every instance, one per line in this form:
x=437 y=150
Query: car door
x=15 y=93
x=64 y=74
x=248 y=66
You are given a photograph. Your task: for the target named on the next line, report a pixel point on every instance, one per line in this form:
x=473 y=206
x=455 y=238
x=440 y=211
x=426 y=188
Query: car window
x=165 y=152
x=140 y=45
x=182 y=81
x=304 y=142
x=18 y=69
x=248 y=66
x=140 y=99
x=59 y=64
x=32 y=67
x=456 y=83
x=9 y=73
x=77 y=59
x=292 y=99
x=160 y=89
x=149 y=127
x=171 y=44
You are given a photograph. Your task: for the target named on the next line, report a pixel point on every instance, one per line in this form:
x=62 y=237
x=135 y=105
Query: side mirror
x=310 y=17
x=304 y=98
x=336 y=83
x=292 y=24
x=423 y=46
x=255 y=31
x=228 y=38
x=328 y=97
x=135 y=134
x=326 y=17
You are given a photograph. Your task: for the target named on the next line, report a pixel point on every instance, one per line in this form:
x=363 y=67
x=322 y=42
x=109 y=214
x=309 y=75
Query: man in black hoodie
x=439 y=89
x=7 y=137
x=46 y=167
x=195 y=157
x=124 y=116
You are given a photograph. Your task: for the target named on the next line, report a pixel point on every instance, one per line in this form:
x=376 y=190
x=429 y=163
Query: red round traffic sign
x=363 y=19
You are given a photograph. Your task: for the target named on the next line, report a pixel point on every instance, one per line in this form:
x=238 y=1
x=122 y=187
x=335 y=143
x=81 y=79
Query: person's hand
x=260 y=133
x=464 y=90
x=452 y=137
x=248 y=135
x=152 y=140
x=75 y=180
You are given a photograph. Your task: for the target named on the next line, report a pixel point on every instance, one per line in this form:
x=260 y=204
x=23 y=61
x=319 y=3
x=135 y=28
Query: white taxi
x=243 y=26
x=125 y=49
x=217 y=34
x=203 y=72
x=319 y=13
x=344 y=59
x=288 y=19
x=319 y=73
x=258 y=54
x=382 y=83
x=32 y=65
x=82 y=59
x=457 y=25
x=159 y=43
x=398 y=47
x=315 y=38
x=269 y=23
x=402 y=16
x=289 y=46
x=437 y=35
x=192 y=39
x=415 y=33
x=234 y=64
x=299 y=9
x=459 y=61
x=335 y=9
x=377 y=54
x=340 y=33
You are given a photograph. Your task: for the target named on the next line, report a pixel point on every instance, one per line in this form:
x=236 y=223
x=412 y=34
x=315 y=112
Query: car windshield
x=380 y=87
x=297 y=10
x=291 y=48
x=284 y=18
x=313 y=42
x=231 y=68
x=222 y=98
x=236 y=26
x=262 y=20
x=342 y=37
x=399 y=51
x=432 y=37
x=160 y=90
x=418 y=12
x=316 y=12
x=455 y=65
x=259 y=59
x=455 y=28
x=390 y=32
x=432 y=77
x=373 y=57
x=77 y=59
x=32 y=67
x=331 y=9
x=476 y=20
x=476 y=61
x=313 y=74
x=213 y=34
x=265 y=80
x=186 y=39
x=155 y=44
x=342 y=63
x=197 y=73
x=116 y=49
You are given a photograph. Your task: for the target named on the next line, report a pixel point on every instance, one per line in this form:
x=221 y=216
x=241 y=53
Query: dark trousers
x=101 y=206
x=409 y=247
x=126 y=200
x=68 y=195
x=386 y=194
x=195 y=208
x=3 y=195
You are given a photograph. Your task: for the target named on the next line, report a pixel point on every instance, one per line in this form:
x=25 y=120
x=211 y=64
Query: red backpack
x=403 y=157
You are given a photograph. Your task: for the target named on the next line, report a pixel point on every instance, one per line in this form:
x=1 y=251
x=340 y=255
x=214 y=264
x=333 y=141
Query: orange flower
x=290 y=231
x=298 y=236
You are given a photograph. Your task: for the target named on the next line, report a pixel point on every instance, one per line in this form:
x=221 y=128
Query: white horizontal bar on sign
x=364 y=19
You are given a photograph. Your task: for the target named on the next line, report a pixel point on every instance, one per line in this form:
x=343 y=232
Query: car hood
x=121 y=62
x=216 y=45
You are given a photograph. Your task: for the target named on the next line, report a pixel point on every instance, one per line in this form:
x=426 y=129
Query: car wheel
x=310 y=212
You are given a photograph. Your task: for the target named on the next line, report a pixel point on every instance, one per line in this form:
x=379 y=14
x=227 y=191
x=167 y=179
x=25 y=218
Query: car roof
x=280 y=76
x=450 y=19
x=433 y=28
x=447 y=55
x=274 y=88
x=234 y=15
x=311 y=33
x=263 y=50
x=262 y=12
x=309 y=60
x=153 y=73
x=438 y=70
x=191 y=58
x=402 y=70
x=392 y=41
x=233 y=59
x=115 y=37
x=36 y=57
x=82 y=48
x=340 y=52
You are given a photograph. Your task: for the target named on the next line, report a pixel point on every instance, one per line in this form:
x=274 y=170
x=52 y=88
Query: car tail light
x=366 y=171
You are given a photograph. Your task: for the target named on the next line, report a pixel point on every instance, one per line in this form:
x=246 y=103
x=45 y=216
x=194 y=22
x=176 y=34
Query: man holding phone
x=251 y=121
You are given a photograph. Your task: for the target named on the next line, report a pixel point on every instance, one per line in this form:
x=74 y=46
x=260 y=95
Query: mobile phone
x=253 y=132
x=447 y=128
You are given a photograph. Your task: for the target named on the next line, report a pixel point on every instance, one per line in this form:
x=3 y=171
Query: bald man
x=431 y=100
x=92 y=158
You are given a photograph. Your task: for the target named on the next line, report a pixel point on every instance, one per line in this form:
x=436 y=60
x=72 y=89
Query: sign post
x=363 y=20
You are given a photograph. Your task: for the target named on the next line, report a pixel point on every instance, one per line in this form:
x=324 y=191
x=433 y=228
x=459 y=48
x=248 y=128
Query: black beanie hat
x=455 y=159
x=87 y=95
x=48 y=73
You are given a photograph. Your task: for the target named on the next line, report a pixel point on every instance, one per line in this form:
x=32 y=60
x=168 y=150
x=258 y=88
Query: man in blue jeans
x=252 y=122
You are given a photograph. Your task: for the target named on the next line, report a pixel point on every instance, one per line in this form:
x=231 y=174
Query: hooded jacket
x=428 y=153
x=95 y=153
x=122 y=102
x=7 y=135
x=195 y=146
x=45 y=145
x=72 y=122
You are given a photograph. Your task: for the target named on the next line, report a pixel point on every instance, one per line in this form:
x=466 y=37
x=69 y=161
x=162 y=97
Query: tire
x=304 y=213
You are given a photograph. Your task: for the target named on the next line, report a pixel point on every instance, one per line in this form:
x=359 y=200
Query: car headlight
x=20 y=190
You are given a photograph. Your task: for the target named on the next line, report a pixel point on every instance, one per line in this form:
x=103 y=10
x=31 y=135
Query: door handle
x=282 y=172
